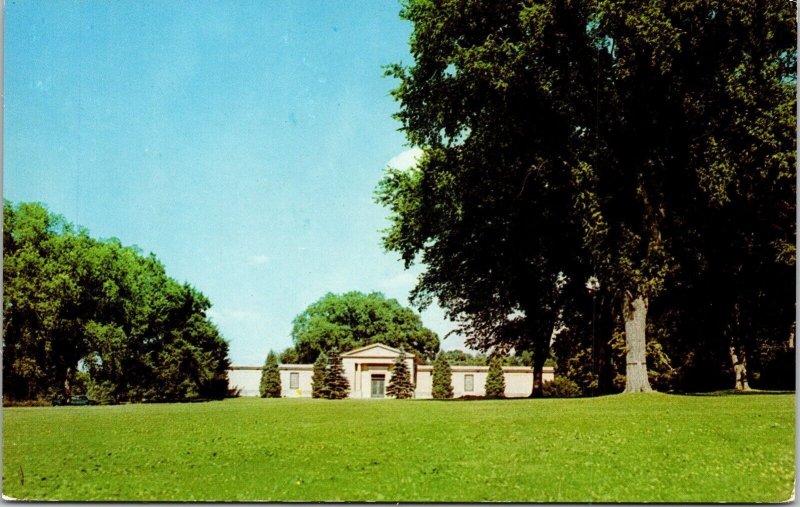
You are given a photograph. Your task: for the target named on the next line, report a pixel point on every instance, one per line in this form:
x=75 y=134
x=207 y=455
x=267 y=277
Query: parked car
x=78 y=399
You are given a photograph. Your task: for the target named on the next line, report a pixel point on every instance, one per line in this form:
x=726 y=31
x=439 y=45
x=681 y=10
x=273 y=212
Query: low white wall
x=304 y=373
x=424 y=382
x=245 y=378
x=519 y=379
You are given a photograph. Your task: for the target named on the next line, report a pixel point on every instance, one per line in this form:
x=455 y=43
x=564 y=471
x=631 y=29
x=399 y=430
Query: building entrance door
x=378 y=383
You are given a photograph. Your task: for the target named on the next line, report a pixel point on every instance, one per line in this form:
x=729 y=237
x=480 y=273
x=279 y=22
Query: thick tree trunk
x=537 y=379
x=634 y=312
x=541 y=350
x=739 y=362
x=604 y=329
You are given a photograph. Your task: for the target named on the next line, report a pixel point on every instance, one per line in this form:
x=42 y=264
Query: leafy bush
x=561 y=387
x=8 y=402
x=101 y=392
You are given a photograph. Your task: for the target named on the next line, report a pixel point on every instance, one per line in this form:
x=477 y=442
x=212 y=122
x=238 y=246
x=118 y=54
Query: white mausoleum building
x=368 y=371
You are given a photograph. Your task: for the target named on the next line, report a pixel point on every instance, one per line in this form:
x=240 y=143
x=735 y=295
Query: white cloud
x=257 y=260
x=405 y=160
x=220 y=314
x=402 y=280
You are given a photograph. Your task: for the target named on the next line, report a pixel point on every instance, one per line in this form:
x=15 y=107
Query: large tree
x=74 y=307
x=353 y=319
x=696 y=127
x=487 y=209
x=566 y=139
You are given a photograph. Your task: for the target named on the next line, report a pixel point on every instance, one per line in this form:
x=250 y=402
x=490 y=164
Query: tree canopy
x=354 y=319
x=84 y=314
x=616 y=139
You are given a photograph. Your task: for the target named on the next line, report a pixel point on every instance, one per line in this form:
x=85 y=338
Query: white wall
x=305 y=372
x=246 y=378
x=424 y=386
x=519 y=380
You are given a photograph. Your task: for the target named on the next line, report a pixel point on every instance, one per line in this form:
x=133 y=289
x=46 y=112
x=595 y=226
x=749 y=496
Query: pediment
x=376 y=350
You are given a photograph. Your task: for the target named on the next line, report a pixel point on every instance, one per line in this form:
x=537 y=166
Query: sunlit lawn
x=619 y=448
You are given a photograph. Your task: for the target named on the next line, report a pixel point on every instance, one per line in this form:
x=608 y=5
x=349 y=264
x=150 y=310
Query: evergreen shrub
x=495 y=381
x=442 y=378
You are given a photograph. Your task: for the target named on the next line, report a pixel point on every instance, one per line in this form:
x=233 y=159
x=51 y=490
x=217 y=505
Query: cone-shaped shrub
x=336 y=385
x=400 y=385
x=495 y=383
x=442 y=378
x=318 y=377
x=270 y=386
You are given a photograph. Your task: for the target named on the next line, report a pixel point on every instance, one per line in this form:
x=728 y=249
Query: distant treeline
x=82 y=315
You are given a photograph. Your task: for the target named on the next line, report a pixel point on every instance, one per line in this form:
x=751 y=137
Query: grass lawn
x=629 y=448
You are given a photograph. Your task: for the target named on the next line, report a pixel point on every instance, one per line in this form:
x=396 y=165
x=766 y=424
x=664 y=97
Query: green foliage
x=336 y=385
x=488 y=208
x=442 y=378
x=318 y=389
x=693 y=451
x=72 y=300
x=561 y=387
x=400 y=385
x=495 y=380
x=461 y=358
x=289 y=356
x=270 y=386
x=528 y=183
x=351 y=320
x=101 y=392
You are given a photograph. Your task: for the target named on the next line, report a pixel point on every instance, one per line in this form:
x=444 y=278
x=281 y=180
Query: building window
x=294 y=381
x=469 y=383
x=378 y=386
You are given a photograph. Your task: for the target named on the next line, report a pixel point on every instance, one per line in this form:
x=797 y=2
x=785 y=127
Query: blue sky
x=241 y=142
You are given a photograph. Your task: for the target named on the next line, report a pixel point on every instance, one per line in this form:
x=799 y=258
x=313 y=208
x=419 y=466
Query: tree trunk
x=604 y=330
x=634 y=312
x=537 y=379
x=739 y=362
x=541 y=349
x=68 y=383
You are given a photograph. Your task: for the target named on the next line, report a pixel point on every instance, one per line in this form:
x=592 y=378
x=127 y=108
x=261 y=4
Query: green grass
x=629 y=448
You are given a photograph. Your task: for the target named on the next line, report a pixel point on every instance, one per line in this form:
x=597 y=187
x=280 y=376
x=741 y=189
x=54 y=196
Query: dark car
x=78 y=399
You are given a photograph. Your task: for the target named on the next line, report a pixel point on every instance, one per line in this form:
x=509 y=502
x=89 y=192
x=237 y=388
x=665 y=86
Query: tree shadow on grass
x=734 y=392
x=473 y=398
